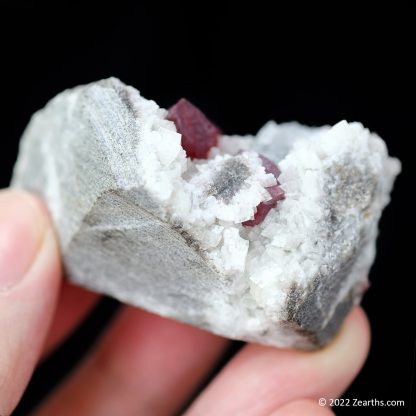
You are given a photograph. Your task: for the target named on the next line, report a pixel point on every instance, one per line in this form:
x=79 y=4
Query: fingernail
x=22 y=226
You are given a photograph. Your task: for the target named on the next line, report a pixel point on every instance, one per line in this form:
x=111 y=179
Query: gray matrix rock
x=140 y=221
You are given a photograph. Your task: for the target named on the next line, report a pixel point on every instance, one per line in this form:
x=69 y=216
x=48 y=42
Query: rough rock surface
x=139 y=221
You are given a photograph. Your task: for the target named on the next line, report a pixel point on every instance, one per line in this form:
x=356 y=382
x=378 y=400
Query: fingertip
x=29 y=283
x=353 y=337
x=23 y=225
x=346 y=353
x=34 y=201
x=279 y=376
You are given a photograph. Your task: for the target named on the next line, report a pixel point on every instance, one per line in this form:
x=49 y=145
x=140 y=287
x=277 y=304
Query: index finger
x=259 y=379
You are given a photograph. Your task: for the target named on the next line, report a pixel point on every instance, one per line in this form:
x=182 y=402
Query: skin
x=144 y=364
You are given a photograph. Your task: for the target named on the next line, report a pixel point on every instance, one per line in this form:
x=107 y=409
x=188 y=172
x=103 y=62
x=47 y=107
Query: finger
x=260 y=379
x=74 y=303
x=29 y=284
x=145 y=364
x=303 y=407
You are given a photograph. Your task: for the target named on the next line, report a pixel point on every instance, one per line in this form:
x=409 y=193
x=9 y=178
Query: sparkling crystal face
x=199 y=135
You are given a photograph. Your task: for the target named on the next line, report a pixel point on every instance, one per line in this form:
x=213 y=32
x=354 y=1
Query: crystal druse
x=266 y=238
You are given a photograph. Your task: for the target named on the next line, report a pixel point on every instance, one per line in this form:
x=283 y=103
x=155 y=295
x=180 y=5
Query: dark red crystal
x=198 y=133
x=270 y=167
x=276 y=192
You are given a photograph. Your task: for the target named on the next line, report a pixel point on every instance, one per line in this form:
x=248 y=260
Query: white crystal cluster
x=140 y=221
x=293 y=243
x=214 y=221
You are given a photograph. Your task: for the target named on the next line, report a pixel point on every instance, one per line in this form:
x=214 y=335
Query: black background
x=242 y=65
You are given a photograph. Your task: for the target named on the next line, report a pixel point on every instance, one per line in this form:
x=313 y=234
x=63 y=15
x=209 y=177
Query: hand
x=144 y=364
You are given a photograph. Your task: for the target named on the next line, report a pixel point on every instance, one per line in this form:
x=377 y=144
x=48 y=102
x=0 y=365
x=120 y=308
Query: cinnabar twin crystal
x=276 y=192
x=199 y=135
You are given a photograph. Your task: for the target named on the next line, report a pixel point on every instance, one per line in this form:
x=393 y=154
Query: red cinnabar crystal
x=198 y=133
x=275 y=191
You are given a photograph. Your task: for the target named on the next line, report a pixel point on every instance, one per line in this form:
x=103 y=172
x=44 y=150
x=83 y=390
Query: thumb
x=29 y=284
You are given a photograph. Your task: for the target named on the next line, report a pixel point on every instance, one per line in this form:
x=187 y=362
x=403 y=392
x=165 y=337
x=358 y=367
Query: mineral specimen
x=145 y=221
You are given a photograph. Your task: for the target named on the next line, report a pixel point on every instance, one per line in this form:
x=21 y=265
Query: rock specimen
x=266 y=239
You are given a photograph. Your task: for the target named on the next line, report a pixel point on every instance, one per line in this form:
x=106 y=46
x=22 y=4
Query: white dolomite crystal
x=141 y=222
